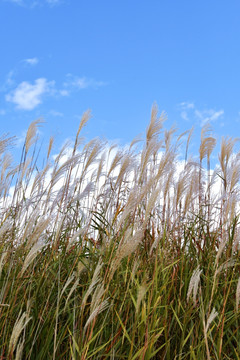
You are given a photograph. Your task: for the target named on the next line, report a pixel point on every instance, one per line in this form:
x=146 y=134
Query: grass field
x=109 y=253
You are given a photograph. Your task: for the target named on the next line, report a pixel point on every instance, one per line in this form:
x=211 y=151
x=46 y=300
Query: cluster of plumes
x=146 y=186
x=113 y=198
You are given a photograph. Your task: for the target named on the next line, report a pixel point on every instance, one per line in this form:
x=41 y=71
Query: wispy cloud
x=8 y=82
x=79 y=83
x=188 y=111
x=64 y=92
x=28 y=96
x=184 y=115
x=209 y=115
x=185 y=107
x=9 y=78
x=31 y=61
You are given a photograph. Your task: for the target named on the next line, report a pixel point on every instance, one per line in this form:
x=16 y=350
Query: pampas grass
x=110 y=253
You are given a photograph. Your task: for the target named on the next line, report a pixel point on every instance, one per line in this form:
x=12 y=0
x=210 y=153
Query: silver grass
x=101 y=166
x=210 y=319
x=140 y=295
x=90 y=188
x=58 y=230
x=50 y=146
x=80 y=268
x=96 y=297
x=136 y=140
x=181 y=186
x=73 y=288
x=193 y=285
x=31 y=256
x=93 y=149
x=7 y=160
x=167 y=162
x=125 y=249
x=207 y=142
x=20 y=324
x=61 y=157
x=125 y=167
x=57 y=175
x=75 y=236
x=155 y=125
x=168 y=135
x=19 y=350
x=226 y=265
x=25 y=167
x=100 y=308
x=39 y=180
x=95 y=280
x=69 y=280
x=150 y=205
x=31 y=134
x=6 y=226
x=3 y=260
x=41 y=226
x=220 y=250
x=146 y=156
x=234 y=174
x=86 y=116
x=4 y=143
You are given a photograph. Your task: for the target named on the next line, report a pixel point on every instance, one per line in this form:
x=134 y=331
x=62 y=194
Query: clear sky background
x=62 y=57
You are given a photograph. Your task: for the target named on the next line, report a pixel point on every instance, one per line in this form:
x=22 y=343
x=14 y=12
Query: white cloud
x=28 y=96
x=64 y=92
x=184 y=115
x=80 y=83
x=31 y=61
x=209 y=115
x=186 y=105
x=188 y=110
x=9 y=79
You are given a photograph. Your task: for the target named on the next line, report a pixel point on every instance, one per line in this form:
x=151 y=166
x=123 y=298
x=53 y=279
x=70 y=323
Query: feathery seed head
x=193 y=285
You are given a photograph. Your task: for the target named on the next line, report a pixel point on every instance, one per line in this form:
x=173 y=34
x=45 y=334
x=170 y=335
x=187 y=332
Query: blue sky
x=62 y=57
